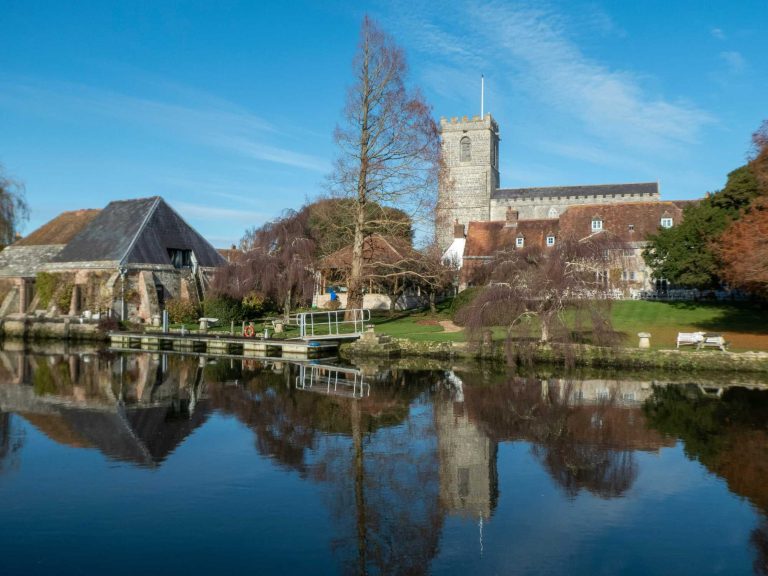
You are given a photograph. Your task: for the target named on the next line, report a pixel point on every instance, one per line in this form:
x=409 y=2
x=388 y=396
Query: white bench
x=690 y=339
x=205 y=323
x=713 y=341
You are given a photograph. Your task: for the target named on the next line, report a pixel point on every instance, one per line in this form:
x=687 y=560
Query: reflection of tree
x=377 y=462
x=10 y=443
x=759 y=540
x=582 y=446
x=728 y=436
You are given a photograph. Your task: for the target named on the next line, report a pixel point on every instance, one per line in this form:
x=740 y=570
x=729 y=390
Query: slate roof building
x=140 y=252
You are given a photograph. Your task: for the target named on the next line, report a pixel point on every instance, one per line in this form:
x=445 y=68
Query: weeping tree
x=557 y=292
x=276 y=263
x=388 y=147
x=13 y=208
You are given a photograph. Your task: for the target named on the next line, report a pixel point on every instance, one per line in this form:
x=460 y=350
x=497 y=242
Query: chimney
x=511 y=218
x=458 y=229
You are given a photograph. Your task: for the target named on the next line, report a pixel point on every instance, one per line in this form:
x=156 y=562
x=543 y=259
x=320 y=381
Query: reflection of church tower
x=470 y=150
x=468 y=476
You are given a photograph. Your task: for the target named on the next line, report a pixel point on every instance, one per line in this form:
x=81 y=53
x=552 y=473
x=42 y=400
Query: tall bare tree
x=388 y=146
x=13 y=208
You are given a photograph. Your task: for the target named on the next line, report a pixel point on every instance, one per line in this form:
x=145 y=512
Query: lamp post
x=123 y=273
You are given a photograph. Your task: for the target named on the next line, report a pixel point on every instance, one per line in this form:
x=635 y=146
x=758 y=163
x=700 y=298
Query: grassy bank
x=744 y=325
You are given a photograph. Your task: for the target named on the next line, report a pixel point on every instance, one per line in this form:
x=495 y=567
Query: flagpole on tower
x=482 y=94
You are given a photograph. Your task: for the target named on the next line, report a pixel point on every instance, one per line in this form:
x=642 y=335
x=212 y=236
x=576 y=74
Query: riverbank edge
x=579 y=355
x=32 y=329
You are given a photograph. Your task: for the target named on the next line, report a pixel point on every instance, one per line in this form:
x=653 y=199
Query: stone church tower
x=471 y=154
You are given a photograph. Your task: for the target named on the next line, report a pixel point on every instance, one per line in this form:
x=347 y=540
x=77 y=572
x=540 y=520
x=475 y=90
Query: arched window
x=552 y=213
x=466 y=150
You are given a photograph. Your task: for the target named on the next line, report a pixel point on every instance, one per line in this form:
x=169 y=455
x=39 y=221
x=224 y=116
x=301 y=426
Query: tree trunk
x=544 y=321
x=287 y=306
x=432 y=307
x=355 y=288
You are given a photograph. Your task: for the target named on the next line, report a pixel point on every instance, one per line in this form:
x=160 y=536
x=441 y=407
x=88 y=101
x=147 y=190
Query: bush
x=64 y=298
x=181 y=311
x=53 y=289
x=332 y=305
x=45 y=286
x=225 y=308
x=461 y=301
x=108 y=324
x=256 y=305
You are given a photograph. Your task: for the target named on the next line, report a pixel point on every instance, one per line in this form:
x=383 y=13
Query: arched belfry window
x=466 y=149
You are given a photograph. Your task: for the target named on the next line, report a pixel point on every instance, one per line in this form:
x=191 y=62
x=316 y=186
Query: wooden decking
x=225 y=345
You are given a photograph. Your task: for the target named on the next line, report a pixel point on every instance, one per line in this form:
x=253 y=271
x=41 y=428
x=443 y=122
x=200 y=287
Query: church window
x=466 y=149
x=550 y=240
x=597 y=224
x=666 y=222
x=552 y=213
x=519 y=242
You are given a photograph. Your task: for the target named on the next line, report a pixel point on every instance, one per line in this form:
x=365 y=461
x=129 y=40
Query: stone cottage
x=127 y=259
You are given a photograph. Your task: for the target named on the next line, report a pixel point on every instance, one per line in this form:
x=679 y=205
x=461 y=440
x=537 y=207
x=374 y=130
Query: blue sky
x=227 y=109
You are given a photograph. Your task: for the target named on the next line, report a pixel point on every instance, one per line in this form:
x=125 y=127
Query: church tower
x=470 y=150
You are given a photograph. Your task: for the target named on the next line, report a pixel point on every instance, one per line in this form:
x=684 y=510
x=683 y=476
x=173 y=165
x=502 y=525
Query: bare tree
x=391 y=266
x=388 y=144
x=13 y=208
x=559 y=291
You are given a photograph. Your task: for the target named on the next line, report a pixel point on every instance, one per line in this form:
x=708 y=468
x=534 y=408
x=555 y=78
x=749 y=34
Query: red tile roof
x=629 y=222
x=487 y=238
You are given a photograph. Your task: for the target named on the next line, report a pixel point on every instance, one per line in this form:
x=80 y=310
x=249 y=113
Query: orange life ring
x=249 y=331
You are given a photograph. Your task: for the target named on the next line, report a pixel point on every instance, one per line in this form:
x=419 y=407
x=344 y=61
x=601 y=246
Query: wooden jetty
x=319 y=335
x=225 y=345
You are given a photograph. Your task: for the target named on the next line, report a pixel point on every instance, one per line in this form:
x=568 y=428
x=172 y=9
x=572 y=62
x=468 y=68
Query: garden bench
x=205 y=323
x=713 y=341
x=690 y=339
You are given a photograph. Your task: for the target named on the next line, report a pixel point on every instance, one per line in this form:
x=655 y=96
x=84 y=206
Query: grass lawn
x=744 y=325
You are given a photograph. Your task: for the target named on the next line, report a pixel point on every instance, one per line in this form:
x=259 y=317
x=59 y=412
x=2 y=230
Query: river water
x=162 y=464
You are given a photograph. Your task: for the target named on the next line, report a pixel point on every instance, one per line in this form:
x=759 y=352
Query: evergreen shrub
x=181 y=311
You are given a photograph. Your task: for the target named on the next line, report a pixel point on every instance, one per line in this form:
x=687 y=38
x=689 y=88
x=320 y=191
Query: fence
x=332 y=324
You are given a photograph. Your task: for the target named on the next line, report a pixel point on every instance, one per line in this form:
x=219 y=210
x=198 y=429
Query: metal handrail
x=333 y=381
x=346 y=323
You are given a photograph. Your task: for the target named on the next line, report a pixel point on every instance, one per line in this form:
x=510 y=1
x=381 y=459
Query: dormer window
x=519 y=242
x=631 y=227
x=180 y=258
x=597 y=224
x=465 y=154
x=550 y=240
x=666 y=222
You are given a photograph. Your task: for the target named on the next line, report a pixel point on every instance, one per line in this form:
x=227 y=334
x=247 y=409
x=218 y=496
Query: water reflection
x=397 y=452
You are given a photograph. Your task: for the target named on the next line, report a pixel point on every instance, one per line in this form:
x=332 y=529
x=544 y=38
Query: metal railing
x=332 y=380
x=333 y=323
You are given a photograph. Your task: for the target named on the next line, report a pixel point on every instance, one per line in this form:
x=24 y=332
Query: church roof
x=485 y=239
x=630 y=221
x=598 y=190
